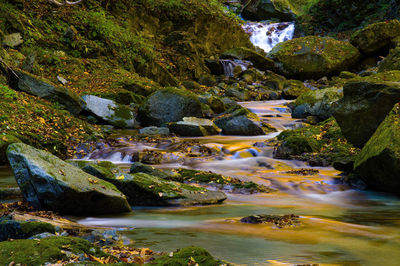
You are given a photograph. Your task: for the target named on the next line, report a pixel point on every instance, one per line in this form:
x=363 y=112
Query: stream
x=340 y=226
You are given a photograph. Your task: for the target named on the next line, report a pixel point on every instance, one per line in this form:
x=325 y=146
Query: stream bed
x=340 y=226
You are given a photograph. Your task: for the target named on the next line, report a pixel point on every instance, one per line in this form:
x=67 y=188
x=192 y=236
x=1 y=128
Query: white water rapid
x=266 y=35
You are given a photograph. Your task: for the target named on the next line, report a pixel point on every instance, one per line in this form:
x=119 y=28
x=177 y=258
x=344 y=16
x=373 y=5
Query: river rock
x=169 y=105
x=313 y=57
x=144 y=189
x=154 y=131
x=259 y=61
x=365 y=104
x=294 y=89
x=107 y=110
x=238 y=125
x=49 y=183
x=10 y=229
x=257 y=10
x=194 y=127
x=391 y=62
x=378 y=163
x=13 y=40
x=319 y=103
x=138 y=167
x=376 y=36
x=34 y=85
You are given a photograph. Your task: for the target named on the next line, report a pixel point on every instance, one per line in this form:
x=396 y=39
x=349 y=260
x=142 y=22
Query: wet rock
x=313 y=57
x=238 y=125
x=391 y=62
x=194 y=127
x=216 y=104
x=169 y=105
x=294 y=89
x=296 y=145
x=110 y=112
x=49 y=183
x=34 y=85
x=274 y=81
x=378 y=163
x=344 y=164
x=154 y=131
x=238 y=94
x=366 y=102
x=144 y=189
x=259 y=61
x=10 y=229
x=42 y=235
x=280 y=221
x=13 y=40
x=257 y=10
x=376 y=36
x=319 y=103
x=147 y=169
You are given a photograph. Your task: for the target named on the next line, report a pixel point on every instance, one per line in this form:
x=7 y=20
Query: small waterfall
x=266 y=36
x=229 y=65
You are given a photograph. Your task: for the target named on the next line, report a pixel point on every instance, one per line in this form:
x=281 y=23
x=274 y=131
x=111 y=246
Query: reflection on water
x=340 y=226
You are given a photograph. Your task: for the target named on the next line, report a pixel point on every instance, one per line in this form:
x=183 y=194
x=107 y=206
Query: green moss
x=52 y=249
x=32 y=228
x=188 y=256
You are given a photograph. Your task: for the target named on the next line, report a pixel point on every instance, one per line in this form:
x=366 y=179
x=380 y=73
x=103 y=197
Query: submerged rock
x=365 y=104
x=280 y=221
x=107 y=110
x=378 y=163
x=376 y=36
x=49 y=183
x=194 y=127
x=34 y=85
x=313 y=57
x=169 y=105
x=144 y=189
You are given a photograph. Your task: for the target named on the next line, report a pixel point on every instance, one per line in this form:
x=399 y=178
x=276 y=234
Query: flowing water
x=340 y=226
x=267 y=35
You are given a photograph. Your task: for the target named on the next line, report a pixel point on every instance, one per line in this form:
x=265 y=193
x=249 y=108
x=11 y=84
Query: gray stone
x=49 y=183
x=110 y=112
x=154 y=131
x=193 y=127
x=238 y=125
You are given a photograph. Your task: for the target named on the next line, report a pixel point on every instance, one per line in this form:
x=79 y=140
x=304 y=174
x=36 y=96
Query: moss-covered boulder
x=31 y=84
x=110 y=112
x=313 y=57
x=376 y=36
x=366 y=102
x=6 y=140
x=144 y=189
x=294 y=89
x=258 y=10
x=10 y=229
x=47 y=250
x=319 y=103
x=169 y=105
x=239 y=125
x=242 y=53
x=194 y=127
x=296 y=145
x=49 y=183
x=188 y=256
x=378 y=163
x=391 y=62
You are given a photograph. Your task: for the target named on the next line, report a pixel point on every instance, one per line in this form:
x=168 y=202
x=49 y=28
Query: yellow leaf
x=42 y=120
x=121 y=177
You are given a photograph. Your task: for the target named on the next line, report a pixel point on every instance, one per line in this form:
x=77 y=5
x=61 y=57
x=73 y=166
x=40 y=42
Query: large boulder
x=258 y=10
x=144 y=189
x=169 y=105
x=319 y=103
x=242 y=53
x=194 y=127
x=378 y=163
x=24 y=81
x=313 y=57
x=49 y=183
x=110 y=112
x=293 y=89
x=239 y=125
x=365 y=104
x=376 y=36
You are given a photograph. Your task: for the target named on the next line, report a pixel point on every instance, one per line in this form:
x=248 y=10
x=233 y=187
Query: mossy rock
x=258 y=10
x=378 y=163
x=51 y=249
x=242 y=53
x=188 y=256
x=169 y=105
x=6 y=140
x=10 y=229
x=296 y=145
x=376 y=36
x=366 y=102
x=391 y=62
x=294 y=89
x=313 y=57
x=49 y=183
